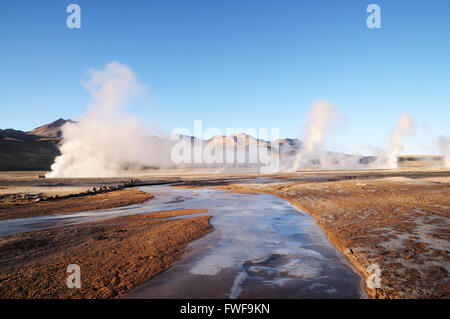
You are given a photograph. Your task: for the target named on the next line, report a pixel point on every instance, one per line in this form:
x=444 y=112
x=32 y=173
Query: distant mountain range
x=52 y=130
x=49 y=131
x=287 y=145
x=37 y=149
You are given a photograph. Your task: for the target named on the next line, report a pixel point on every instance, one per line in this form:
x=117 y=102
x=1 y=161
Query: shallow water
x=262 y=247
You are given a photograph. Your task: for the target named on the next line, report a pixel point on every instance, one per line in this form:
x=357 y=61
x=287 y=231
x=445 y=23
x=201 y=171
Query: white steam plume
x=389 y=158
x=106 y=140
x=319 y=121
x=444 y=145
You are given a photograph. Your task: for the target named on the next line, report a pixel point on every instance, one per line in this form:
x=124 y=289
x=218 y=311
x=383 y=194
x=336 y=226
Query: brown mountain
x=16 y=135
x=34 y=150
x=52 y=130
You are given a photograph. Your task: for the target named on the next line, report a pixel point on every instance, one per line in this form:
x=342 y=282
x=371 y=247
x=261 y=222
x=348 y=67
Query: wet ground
x=262 y=247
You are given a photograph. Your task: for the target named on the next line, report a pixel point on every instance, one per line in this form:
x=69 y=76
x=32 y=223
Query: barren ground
x=114 y=256
x=21 y=208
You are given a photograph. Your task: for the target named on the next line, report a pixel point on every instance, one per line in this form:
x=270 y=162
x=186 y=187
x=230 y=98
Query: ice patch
x=298 y=268
x=237 y=285
x=331 y=290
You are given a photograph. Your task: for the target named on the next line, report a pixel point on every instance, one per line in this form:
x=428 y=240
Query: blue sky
x=237 y=64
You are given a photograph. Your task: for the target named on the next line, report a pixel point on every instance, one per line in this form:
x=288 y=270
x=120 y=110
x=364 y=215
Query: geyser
x=389 y=159
x=321 y=119
x=106 y=140
x=444 y=146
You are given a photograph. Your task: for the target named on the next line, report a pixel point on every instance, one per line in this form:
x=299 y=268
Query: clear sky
x=237 y=64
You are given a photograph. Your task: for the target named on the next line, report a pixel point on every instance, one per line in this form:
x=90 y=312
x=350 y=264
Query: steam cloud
x=321 y=119
x=444 y=145
x=107 y=140
x=389 y=158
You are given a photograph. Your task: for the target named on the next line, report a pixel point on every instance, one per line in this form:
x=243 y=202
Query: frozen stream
x=262 y=247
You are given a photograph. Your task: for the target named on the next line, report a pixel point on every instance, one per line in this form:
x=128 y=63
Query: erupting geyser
x=106 y=140
x=389 y=159
x=319 y=121
x=444 y=145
